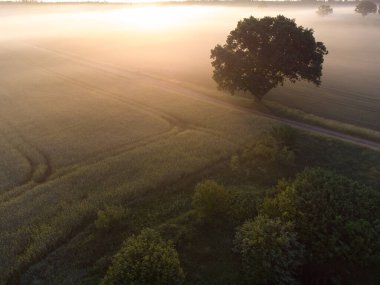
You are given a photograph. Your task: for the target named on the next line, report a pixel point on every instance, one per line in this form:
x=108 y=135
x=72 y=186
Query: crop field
x=78 y=135
x=93 y=114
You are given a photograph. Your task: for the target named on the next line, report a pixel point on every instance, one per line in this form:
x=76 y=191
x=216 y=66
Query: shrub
x=211 y=201
x=270 y=251
x=266 y=160
x=285 y=136
x=110 y=217
x=145 y=259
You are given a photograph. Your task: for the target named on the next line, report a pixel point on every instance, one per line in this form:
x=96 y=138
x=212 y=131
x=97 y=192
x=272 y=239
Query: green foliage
x=261 y=54
x=373 y=176
x=244 y=201
x=366 y=7
x=269 y=158
x=110 y=217
x=285 y=136
x=243 y=206
x=336 y=219
x=145 y=259
x=269 y=250
x=211 y=201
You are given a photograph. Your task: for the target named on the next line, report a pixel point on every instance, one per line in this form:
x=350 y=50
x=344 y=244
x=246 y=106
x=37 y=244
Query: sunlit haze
x=139 y=146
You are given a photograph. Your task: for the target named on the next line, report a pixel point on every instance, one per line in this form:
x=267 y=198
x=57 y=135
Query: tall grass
x=302 y=116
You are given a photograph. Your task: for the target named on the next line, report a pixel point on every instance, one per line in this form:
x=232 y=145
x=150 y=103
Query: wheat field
x=78 y=135
x=92 y=113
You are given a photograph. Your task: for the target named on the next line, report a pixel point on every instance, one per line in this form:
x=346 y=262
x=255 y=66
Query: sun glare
x=152 y=18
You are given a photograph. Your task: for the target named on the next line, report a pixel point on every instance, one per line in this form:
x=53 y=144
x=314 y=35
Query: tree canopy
x=270 y=251
x=260 y=54
x=324 y=10
x=366 y=7
x=211 y=201
x=336 y=219
x=145 y=259
x=268 y=158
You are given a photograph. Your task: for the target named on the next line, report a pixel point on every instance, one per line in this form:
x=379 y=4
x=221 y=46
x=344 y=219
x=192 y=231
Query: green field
x=92 y=115
x=82 y=137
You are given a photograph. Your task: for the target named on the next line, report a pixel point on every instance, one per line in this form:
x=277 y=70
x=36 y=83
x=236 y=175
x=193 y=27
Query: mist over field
x=112 y=131
x=174 y=41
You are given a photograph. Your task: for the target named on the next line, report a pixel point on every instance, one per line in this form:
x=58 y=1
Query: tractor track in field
x=117 y=72
x=176 y=126
x=175 y=88
x=170 y=119
x=173 y=122
x=39 y=162
x=31 y=164
x=197 y=174
x=16 y=145
x=296 y=124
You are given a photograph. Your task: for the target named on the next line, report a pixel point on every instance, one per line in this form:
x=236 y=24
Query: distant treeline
x=194 y=1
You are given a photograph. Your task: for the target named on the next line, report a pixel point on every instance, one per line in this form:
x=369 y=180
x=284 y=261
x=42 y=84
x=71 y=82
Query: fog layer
x=175 y=41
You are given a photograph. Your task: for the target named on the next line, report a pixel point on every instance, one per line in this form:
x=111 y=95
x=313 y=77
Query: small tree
x=145 y=259
x=285 y=136
x=269 y=158
x=366 y=7
x=261 y=54
x=270 y=251
x=211 y=201
x=324 y=10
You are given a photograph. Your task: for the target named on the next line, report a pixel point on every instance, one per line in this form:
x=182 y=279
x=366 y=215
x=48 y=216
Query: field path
x=298 y=125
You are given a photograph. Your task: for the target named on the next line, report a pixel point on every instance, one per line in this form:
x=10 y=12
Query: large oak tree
x=262 y=53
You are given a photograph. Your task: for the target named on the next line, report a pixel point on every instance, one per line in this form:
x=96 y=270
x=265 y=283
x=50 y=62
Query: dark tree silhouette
x=261 y=54
x=324 y=10
x=366 y=7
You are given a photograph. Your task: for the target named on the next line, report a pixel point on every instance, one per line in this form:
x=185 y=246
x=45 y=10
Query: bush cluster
x=269 y=158
x=331 y=219
x=270 y=251
x=145 y=259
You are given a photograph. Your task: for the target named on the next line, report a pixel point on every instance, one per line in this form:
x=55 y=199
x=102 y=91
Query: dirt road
x=298 y=125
